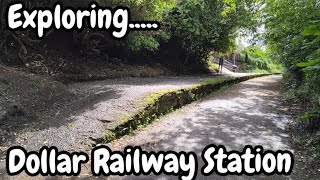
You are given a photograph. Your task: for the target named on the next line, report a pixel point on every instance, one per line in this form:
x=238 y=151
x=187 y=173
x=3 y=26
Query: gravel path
x=100 y=104
x=246 y=114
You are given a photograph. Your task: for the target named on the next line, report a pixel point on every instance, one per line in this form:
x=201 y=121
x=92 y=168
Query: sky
x=246 y=38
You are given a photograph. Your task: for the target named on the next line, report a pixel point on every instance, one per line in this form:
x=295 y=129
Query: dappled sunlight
x=99 y=106
x=231 y=119
x=225 y=119
x=234 y=121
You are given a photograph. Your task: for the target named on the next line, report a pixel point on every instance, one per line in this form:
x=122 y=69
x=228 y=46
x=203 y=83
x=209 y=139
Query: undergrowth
x=257 y=60
x=213 y=66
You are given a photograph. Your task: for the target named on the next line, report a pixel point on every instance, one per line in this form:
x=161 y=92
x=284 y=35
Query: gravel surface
x=246 y=114
x=100 y=105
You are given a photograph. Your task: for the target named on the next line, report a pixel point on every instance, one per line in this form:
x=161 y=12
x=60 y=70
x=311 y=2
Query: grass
x=215 y=80
x=213 y=66
x=151 y=98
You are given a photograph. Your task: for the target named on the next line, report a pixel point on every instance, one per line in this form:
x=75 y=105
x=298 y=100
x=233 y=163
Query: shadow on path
x=245 y=114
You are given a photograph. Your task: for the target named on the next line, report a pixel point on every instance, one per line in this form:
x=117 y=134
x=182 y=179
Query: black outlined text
x=115 y=20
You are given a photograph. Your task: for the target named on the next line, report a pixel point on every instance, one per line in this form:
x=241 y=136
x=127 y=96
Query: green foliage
x=293 y=35
x=109 y=136
x=142 y=42
x=213 y=66
x=189 y=30
x=140 y=46
x=259 y=61
x=313 y=63
x=309 y=64
x=285 y=21
x=216 y=81
x=306 y=117
x=143 y=9
x=198 y=26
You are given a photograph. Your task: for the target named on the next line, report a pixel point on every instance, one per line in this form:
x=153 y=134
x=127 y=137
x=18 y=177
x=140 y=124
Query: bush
x=259 y=61
x=297 y=45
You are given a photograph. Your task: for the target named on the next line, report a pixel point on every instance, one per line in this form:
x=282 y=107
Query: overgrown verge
x=255 y=59
x=298 y=48
x=305 y=137
x=165 y=102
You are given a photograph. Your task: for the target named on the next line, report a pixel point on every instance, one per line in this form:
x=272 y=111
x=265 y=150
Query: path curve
x=248 y=113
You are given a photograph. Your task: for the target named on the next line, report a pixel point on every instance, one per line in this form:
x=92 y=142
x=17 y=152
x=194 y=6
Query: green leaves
x=206 y=24
x=309 y=63
x=312 y=30
x=190 y=28
x=293 y=35
x=143 y=42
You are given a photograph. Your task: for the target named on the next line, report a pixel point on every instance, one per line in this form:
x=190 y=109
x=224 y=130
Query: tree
x=293 y=35
x=198 y=26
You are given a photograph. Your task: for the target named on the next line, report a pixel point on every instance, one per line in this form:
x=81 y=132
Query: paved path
x=246 y=114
